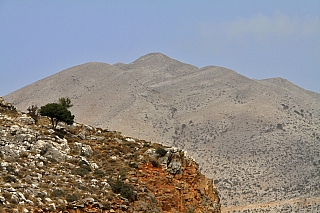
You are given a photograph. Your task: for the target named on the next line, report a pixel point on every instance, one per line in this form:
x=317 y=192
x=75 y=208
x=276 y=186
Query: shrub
x=122 y=188
x=146 y=145
x=11 y=170
x=98 y=173
x=116 y=186
x=133 y=165
x=155 y=162
x=127 y=192
x=82 y=171
x=9 y=179
x=162 y=152
x=23 y=154
x=59 y=134
x=57 y=193
x=33 y=113
x=66 y=102
x=71 y=197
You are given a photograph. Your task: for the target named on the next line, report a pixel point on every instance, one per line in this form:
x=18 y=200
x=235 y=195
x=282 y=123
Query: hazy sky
x=258 y=39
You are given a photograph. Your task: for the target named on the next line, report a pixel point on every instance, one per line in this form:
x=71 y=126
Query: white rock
x=4 y=164
x=21 y=196
x=48 y=199
x=173 y=149
x=130 y=140
x=14 y=129
x=94 y=166
x=52 y=206
x=86 y=150
x=150 y=151
x=39 y=164
x=77 y=147
x=51 y=131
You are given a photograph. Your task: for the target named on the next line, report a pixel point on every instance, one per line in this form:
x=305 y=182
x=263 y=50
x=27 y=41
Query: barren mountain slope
x=258 y=138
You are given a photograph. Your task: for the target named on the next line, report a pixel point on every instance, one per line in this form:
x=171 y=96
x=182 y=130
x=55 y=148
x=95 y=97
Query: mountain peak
x=152 y=56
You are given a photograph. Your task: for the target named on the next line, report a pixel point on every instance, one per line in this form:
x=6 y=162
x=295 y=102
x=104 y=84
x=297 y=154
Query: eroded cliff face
x=179 y=186
x=80 y=168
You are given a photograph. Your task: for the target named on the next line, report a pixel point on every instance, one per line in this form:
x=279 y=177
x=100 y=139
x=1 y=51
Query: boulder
x=86 y=150
x=26 y=119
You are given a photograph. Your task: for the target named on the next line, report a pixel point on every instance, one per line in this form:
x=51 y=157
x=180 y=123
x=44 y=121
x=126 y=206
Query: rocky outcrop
x=176 y=182
x=5 y=105
x=80 y=168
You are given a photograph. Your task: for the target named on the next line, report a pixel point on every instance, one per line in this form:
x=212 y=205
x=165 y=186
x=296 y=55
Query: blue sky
x=258 y=39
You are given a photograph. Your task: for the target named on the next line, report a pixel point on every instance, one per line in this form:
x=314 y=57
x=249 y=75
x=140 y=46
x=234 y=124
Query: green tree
x=66 y=102
x=57 y=113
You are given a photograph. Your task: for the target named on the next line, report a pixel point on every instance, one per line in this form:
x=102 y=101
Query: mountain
x=80 y=168
x=258 y=139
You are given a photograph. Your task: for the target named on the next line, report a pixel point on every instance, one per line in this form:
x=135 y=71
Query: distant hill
x=259 y=139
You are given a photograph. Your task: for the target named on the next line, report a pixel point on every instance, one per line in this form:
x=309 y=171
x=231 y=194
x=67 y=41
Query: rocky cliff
x=80 y=168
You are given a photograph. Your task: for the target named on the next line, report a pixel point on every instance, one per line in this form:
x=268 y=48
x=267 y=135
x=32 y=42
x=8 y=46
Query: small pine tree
x=33 y=113
x=66 y=102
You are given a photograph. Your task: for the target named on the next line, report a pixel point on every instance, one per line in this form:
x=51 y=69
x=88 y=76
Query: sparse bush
x=11 y=170
x=122 y=188
x=66 y=102
x=133 y=165
x=190 y=209
x=162 y=152
x=127 y=192
x=98 y=173
x=106 y=205
x=9 y=179
x=52 y=160
x=82 y=171
x=57 y=193
x=59 y=134
x=117 y=186
x=33 y=113
x=23 y=154
x=71 y=197
x=155 y=162
x=146 y=145
x=280 y=126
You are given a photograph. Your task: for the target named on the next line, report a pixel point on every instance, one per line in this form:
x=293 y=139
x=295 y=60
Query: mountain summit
x=259 y=139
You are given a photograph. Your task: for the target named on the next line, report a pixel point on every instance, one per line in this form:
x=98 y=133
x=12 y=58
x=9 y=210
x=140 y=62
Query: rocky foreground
x=79 y=168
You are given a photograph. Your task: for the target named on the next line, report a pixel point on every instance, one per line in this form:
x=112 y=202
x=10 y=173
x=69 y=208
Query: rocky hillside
x=258 y=139
x=311 y=205
x=80 y=168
